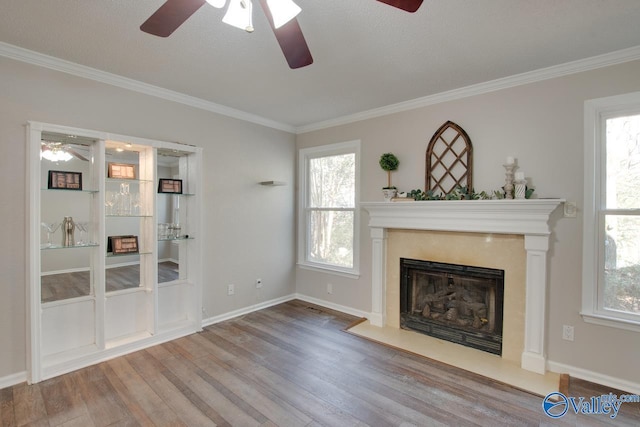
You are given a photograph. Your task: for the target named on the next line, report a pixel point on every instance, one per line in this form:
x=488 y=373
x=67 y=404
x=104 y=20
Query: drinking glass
x=51 y=228
x=109 y=201
x=83 y=227
x=137 y=204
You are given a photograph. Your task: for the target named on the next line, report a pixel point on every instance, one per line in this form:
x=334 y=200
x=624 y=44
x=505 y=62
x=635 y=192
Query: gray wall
x=241 y=218
x=541 y=124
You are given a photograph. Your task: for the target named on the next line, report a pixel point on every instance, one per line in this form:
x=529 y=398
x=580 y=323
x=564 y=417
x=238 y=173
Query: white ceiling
x=367 y=55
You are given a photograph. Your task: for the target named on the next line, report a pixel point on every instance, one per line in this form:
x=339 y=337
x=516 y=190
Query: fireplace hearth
x=458 y=303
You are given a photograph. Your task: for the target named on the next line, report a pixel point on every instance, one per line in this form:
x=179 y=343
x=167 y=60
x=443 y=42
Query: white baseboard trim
x=249 y=309
x=333 y=306
x=594 y=377
x=246 y=310
x=13 y=379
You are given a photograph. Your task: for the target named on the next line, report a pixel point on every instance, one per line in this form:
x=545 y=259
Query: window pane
x=622 y=263
x=331 y=238
x=332 y=181
x=623 y=162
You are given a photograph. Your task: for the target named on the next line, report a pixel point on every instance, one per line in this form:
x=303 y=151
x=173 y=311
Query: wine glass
x=137 y=204
x=109 y=201
x=51 y=228
x=83 y=228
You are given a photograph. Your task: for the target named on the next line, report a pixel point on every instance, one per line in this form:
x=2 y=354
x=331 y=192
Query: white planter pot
x=389 y=193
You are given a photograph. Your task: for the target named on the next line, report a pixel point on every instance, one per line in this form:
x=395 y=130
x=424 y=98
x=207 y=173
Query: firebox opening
x=458 y=303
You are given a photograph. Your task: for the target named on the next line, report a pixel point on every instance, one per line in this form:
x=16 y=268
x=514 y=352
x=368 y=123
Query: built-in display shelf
x=76 y=331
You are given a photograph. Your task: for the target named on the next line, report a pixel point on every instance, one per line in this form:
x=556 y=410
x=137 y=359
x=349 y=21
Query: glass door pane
x=66 y=199
x=123 y=216
x=170 y=214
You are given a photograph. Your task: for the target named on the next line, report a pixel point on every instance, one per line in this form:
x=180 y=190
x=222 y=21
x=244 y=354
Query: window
x=611 y=253
x=328 y=214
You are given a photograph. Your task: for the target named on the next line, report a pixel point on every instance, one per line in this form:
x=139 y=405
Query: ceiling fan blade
x=291 y=41
x=170 y=16
x=408 y=5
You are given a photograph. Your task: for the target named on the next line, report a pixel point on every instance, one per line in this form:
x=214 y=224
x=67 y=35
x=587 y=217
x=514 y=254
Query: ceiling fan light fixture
x=239 y=15
x=55 y=155
x=218 y=4
x=282 y=11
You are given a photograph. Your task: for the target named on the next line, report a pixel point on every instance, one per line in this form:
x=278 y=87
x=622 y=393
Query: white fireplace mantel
x=524 y=217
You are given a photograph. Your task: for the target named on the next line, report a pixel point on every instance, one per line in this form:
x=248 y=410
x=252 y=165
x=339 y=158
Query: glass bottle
x=125 y=199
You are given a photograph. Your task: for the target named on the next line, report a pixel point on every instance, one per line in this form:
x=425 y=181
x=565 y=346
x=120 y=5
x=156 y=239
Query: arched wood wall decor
x=449 y=160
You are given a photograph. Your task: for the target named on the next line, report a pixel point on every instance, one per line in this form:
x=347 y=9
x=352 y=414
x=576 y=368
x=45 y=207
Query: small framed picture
x=119 y=245
x=170 y=186
x=121 y=170
x=62 y=180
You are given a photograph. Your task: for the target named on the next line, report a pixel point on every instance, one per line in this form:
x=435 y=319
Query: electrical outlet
x=570 y=209
x=329 y=288
x=258 y=283
x=231 y=289
x=567 y=332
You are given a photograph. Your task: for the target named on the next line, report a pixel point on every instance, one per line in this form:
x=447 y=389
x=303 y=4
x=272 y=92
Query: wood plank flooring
x=288 y=365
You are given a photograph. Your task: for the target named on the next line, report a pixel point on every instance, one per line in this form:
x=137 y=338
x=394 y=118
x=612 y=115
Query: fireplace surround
x=527 y=218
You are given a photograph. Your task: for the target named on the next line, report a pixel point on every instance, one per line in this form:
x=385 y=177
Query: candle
x=510 y=160
x=519 y=176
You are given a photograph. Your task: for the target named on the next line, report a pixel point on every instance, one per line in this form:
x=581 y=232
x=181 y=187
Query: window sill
x=329 y=270
x=613 y=322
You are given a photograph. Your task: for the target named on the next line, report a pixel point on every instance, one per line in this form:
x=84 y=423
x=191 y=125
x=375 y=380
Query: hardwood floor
x=288 y=365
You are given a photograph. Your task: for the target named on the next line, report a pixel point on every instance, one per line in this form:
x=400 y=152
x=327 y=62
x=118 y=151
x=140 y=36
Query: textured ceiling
x=367 y=54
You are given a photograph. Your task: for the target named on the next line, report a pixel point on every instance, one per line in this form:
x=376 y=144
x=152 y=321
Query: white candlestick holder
x=508 y=183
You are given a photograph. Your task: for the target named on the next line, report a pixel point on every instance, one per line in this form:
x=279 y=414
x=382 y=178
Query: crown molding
x=57 y=64
x=600 y=61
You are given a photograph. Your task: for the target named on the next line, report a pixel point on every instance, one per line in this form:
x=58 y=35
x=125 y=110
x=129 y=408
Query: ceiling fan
x=57 y=151
x=174 y=13
x=58 y=147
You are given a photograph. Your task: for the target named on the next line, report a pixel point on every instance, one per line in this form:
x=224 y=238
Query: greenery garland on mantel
x=462 y=193
x=389 y=162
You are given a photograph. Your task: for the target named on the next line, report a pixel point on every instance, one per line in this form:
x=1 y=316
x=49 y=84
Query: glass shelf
x=112 y=255
x=128 y=216
x=54 y=246
x=177 y=194
x=120 y=180
x=70 y=191
x=169 y=239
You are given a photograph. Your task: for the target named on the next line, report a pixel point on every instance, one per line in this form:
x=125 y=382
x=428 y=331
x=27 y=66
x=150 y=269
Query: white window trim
x=303 y=156
x=594 y=179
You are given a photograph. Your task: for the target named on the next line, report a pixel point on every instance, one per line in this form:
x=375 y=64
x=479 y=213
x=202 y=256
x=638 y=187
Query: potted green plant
x=389 y=162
